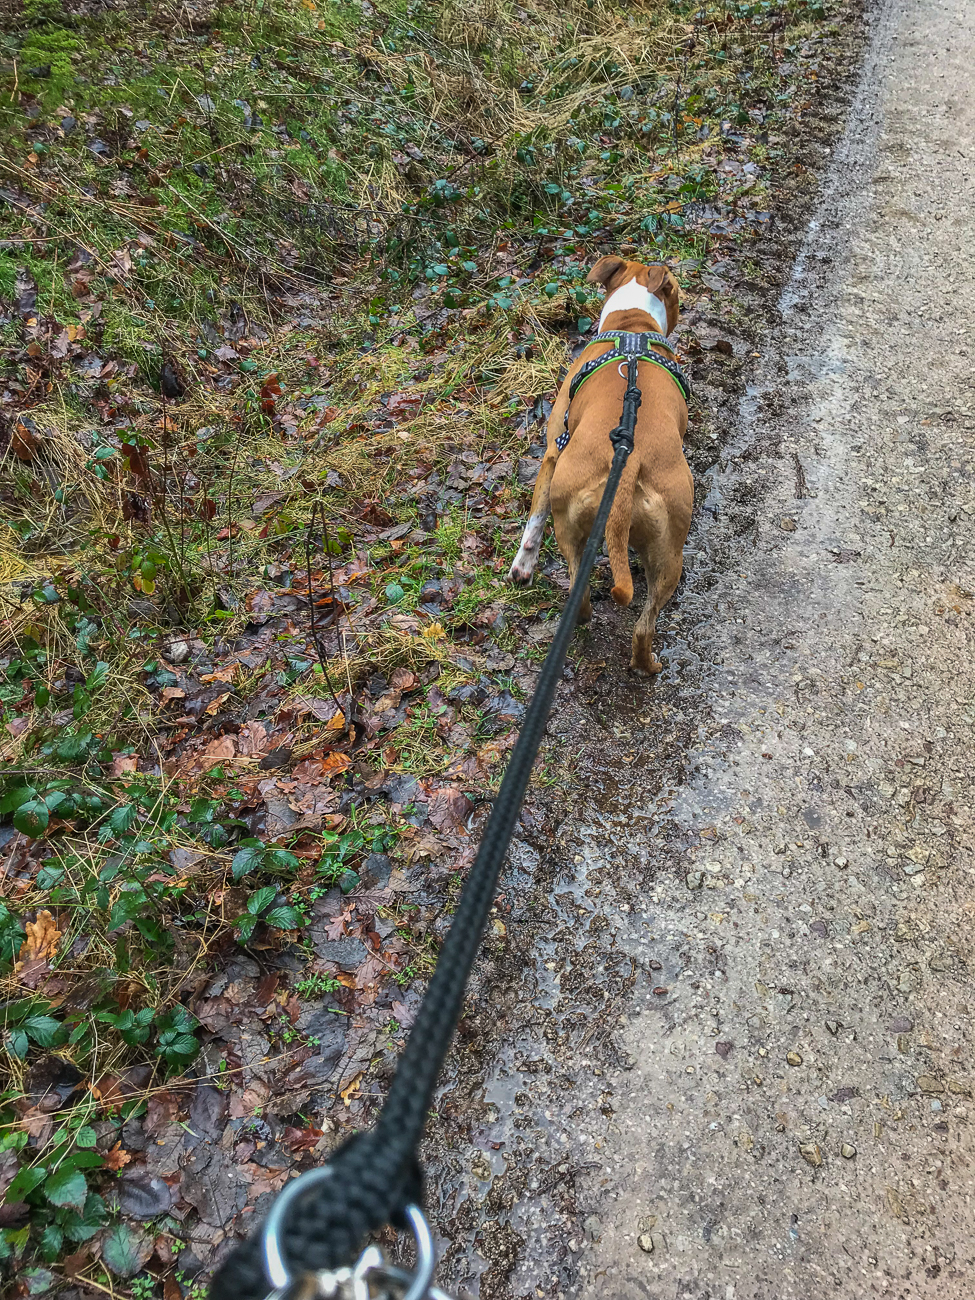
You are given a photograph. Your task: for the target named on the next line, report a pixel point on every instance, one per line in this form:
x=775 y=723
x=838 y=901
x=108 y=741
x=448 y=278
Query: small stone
x=787 y=525
x=848 y=1151
x=811 y=1153
x=592 y=1227
x=695 y=879
x=660 y=991
x=794 y=1058
x=177 y=652
x=833 y=1026
x=841 y=863
x=958 y=1088
x=901 y=1025
x=723 y=1050
x=903 y=1043
x=928 y=1083
x=645 y=1242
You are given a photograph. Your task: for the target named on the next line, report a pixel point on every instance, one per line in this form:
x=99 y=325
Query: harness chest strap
x=627 y=345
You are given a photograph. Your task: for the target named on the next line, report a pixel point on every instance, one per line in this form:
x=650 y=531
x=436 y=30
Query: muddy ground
x=724 y=1046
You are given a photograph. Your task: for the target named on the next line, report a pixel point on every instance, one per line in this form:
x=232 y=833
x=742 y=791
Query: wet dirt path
x=734 y=1054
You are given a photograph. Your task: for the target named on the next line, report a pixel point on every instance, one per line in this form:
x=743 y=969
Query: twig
x=311 y=604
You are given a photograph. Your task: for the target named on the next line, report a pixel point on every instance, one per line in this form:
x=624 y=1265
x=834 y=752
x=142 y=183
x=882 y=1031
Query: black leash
x=375 y=1176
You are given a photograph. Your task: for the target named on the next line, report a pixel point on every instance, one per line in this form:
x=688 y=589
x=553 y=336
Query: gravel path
x=799 y=1118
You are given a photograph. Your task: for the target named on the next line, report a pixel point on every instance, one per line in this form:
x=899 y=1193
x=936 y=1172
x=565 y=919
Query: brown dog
x=652 y=509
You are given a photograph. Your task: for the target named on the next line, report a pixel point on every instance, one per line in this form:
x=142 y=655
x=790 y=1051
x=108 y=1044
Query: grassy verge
x=285 y=287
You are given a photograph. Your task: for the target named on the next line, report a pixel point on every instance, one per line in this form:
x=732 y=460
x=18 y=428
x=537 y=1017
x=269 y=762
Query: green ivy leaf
x=67 y=1187
x=11 y=935
x=24 y=1183
x=18 y=1043
x=43 y=1029
x=32 y=818
x=249 y=859
x=260 y=899
x=125 y=1250
x=283 y=918
x=50 y=1242
x=245 y=927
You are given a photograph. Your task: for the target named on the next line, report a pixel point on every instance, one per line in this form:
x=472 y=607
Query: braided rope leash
x=375 y=1177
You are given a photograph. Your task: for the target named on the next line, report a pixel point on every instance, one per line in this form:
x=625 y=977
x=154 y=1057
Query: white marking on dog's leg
x=632 y=296
x=531 y=543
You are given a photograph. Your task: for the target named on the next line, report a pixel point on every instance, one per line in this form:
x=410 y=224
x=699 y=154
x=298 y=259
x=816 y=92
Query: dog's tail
x=618 y=534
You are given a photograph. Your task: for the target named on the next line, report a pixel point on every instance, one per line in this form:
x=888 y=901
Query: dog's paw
x=522 y=570
x=649 y=669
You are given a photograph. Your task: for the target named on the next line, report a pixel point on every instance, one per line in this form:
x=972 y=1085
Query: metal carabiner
x=328 y=1284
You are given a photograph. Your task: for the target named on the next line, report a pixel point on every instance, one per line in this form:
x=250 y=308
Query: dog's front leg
x=531 y=542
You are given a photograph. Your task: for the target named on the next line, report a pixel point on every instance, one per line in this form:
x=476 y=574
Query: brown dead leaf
x=335 y=929
x=215 y=705
x=124 y=763
x=220 y=749
x=43 y=938
x=222 y=675
x=171 y=1288
x=138 y=461
x=402 y=679
x=23 y=443
x=402 y=405
x=38 y=1124
x=171 y=693
x=347 y=1093
x=449 y=809
x=302 y=1139
x=252 y=739
x=116 y=1158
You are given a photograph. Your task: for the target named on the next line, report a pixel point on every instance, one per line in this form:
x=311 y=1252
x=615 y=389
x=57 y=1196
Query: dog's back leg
x=572 y=532
x=523 y=567
x=662 y=538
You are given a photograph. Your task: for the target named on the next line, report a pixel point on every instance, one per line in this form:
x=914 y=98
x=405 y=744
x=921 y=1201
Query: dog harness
x=627 y=345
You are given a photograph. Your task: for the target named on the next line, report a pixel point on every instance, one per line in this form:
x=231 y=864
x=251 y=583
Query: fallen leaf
x=403 y=405
x=116 y=1158
x=125 y=763
x=223 y=675
x=449 y=809
x=347 y=1093
x=214 y=706
x=43 y=937
x=220 y=749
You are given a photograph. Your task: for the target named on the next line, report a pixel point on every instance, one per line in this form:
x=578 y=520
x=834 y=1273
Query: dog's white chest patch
x=632 y=296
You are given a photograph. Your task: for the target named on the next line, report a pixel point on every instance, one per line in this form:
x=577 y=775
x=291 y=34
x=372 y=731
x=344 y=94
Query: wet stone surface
x=722 y=1046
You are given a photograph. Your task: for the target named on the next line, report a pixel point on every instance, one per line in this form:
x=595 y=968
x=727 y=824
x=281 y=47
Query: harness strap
x=628 y=345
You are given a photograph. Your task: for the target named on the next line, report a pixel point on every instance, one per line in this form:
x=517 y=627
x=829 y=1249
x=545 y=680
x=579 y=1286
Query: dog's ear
x=604 y=270
x=668 y=291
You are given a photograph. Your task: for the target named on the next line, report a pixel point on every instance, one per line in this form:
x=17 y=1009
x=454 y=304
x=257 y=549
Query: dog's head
x=613 y=273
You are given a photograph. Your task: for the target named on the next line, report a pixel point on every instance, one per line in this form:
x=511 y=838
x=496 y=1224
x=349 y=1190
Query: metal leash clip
x=371 y=1278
